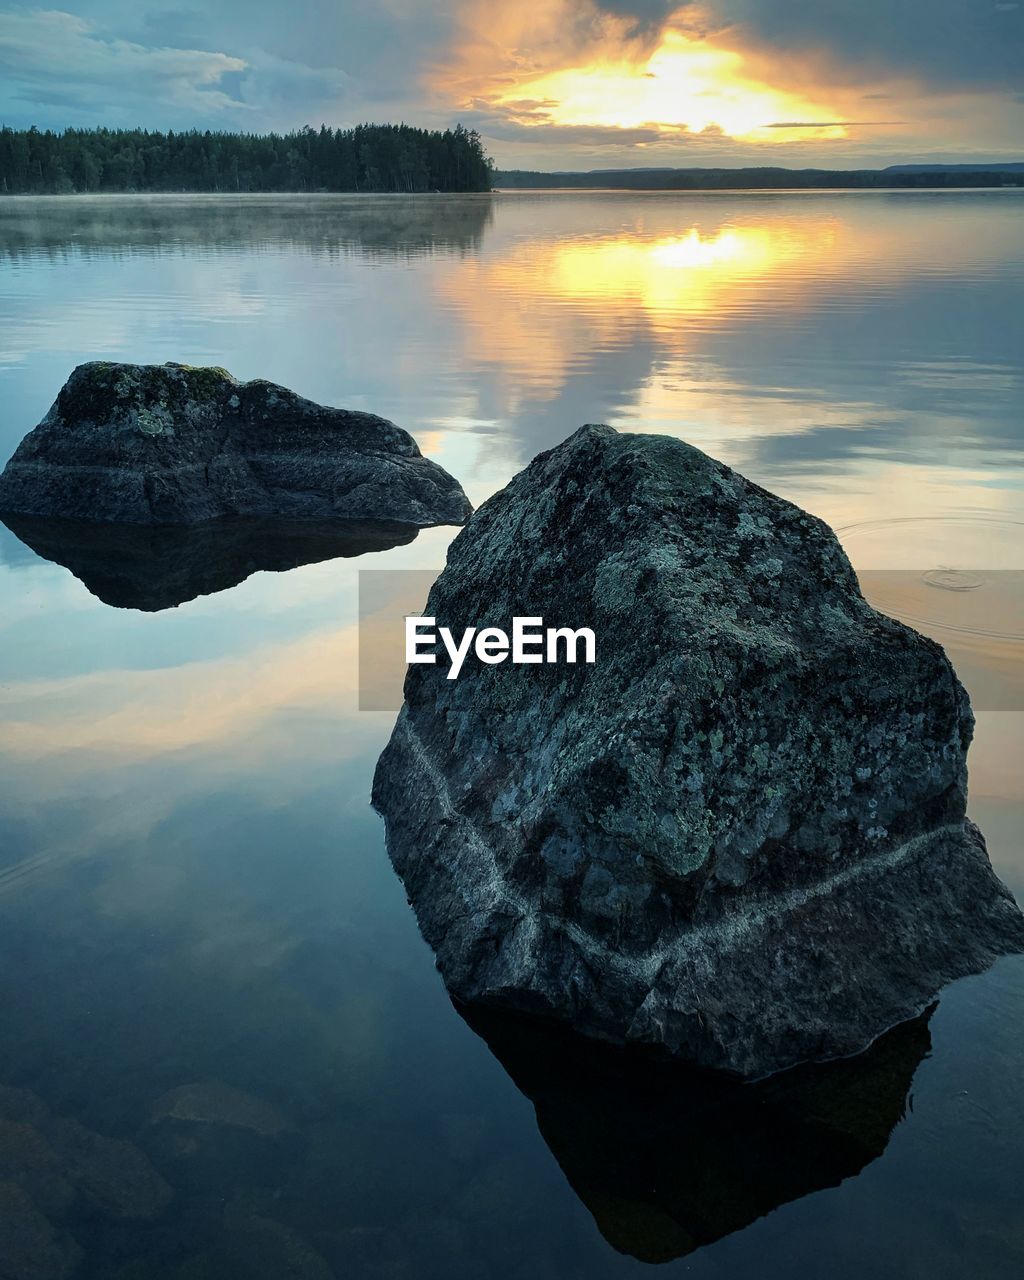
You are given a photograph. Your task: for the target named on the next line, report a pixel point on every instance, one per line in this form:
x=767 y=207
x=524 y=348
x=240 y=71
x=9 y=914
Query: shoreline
x=242 y=197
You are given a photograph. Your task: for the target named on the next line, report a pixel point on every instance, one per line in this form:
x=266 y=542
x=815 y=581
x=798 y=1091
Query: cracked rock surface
x=173 y=444
x=740 y=835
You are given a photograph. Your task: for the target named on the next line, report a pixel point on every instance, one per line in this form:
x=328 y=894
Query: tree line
x=369 y=157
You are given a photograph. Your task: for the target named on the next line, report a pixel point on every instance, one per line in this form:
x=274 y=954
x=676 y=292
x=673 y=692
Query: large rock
x=171 y=444
x=740 y=834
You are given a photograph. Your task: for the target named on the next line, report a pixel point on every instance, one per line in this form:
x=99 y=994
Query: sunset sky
x=550 y=84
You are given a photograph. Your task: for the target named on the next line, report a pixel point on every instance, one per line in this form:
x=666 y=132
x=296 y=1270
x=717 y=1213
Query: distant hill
x=993 y=167
x=767 y=178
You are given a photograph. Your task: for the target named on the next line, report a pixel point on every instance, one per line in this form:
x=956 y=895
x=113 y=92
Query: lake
x=225 y=1051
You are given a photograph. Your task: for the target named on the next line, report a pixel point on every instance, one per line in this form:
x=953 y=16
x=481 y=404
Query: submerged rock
x=113 y=1175
x=30 y=1247
x=154 y=567
x=28 y=1159
x=55 y=1171
x=211 y=1102
x=172 y=444
x=53 y=1159
x=740 y=834
x=254 y=1246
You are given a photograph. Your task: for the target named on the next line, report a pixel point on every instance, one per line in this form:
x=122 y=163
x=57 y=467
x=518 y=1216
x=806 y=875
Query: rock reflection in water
x=669 y=1158
x=154 y=568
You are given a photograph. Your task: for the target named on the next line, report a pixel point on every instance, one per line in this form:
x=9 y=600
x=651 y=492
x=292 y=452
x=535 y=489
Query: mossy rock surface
x=175 y=444
x=740 y=835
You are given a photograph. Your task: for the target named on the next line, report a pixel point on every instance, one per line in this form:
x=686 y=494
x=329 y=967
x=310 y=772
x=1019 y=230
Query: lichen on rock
x=740 y=835
x=177 y=444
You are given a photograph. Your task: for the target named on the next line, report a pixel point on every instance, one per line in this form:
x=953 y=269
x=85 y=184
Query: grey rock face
x=740 y=834
x=171 y=444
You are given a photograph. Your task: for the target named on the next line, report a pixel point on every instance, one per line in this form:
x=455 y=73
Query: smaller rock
x=173 y=444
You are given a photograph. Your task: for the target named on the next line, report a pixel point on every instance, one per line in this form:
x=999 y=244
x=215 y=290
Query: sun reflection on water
x=691 y=271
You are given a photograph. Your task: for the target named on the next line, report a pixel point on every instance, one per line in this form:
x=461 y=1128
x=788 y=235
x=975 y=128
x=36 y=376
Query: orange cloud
x=500 y=45
x=684 y=86
x=568 y=66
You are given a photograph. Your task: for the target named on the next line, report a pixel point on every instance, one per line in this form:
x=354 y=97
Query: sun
x=685 y=86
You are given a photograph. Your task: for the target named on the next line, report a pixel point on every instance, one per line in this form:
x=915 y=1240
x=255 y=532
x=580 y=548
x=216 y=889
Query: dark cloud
x=642 y=10
x=257 y=64
x=648 y=16
x=505 y=130
x=828 y=124
x=527 y=104
x=951 y=43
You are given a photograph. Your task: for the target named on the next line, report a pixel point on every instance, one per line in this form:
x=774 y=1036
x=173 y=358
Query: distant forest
x=370 y=157
x=766 y=179
x=378 y=157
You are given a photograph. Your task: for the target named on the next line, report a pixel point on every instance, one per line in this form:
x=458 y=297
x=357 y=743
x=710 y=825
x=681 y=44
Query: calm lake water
x=204 y=952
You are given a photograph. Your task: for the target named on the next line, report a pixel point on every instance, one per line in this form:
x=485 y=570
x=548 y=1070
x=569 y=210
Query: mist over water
x=203 y=948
